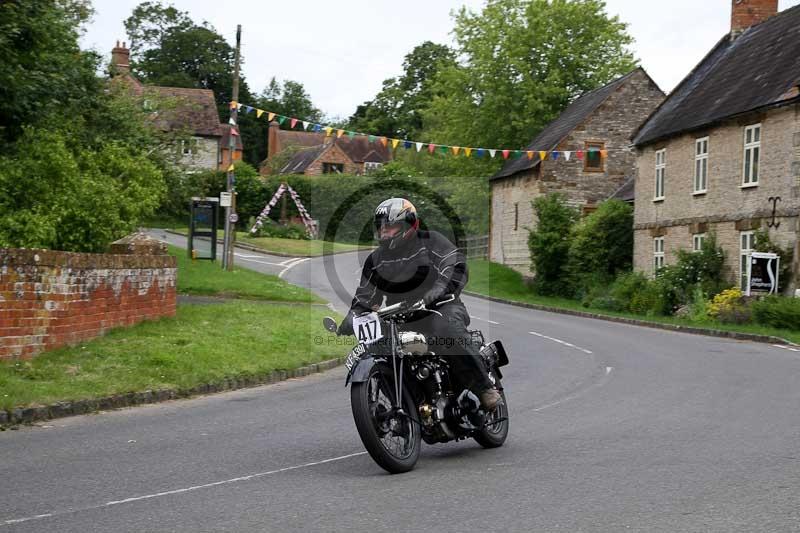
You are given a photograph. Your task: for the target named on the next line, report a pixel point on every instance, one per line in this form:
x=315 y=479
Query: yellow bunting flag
x=530 y=154
x=395 y=142
x=455 y=149
x=259 y=112
x=270 y=116
x=339 y=133
x=233 y=105
x=467 y=151
x=542 y=155
x=230 y=168
x=384 y=141
x=328 y=131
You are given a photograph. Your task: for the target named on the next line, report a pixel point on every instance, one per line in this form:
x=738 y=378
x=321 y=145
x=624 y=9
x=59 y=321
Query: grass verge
x=293 y=247
x=499 y=281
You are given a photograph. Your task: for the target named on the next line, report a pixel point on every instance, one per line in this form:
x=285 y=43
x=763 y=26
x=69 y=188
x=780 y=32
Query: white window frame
x=751 y=155
x=661 y=169
x=658 y=253
x=188 y=147
x=697 y=241
x=701 y=165
x=747 y=242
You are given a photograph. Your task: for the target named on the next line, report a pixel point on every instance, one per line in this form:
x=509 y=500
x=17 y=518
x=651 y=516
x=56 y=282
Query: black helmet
x=395 y=221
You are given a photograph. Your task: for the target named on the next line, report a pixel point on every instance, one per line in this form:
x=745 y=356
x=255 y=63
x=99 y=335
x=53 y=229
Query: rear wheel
x=392 y=439
x=494 y=433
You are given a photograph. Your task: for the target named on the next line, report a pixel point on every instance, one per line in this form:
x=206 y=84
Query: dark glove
x=346 y=327
x=433 y=295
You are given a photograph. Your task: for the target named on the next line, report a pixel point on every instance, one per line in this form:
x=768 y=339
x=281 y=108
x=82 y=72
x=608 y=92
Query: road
x=613 y=428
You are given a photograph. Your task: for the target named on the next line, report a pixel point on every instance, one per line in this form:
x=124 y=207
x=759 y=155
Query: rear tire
x=392 y=442
x=495 y=435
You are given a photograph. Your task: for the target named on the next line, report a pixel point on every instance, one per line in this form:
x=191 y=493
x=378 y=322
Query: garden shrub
x=549 y=243
x=729 y=307
x=777 y=312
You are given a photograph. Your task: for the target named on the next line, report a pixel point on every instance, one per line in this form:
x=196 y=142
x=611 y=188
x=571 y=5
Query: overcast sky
x=342 y=50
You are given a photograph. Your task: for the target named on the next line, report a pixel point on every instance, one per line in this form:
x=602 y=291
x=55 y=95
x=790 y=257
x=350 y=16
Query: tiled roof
x=567 y=121
x=302 y=159
x=358 y=149
x=195 y=110
x=300 y=138
x=759 y=68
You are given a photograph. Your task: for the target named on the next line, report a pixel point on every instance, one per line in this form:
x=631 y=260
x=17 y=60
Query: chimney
x=746 y=13
x=120 y=59
x=273 y=142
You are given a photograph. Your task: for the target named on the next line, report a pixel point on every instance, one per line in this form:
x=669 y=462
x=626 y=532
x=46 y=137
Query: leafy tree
x=549 y=243
x=150 y=23
x=523 y=62
x=396 y=111
x=601 y=245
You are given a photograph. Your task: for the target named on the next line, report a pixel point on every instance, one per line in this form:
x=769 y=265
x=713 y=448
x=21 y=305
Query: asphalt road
x=613 y=428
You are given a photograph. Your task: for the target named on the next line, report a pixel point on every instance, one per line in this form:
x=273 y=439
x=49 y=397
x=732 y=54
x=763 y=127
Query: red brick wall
x=333 y=154
x=746 y=13
x=50 y=298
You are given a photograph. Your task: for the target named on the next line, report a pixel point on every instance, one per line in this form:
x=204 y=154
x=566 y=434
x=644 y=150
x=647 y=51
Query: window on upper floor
x=189 y=147
x=661 y=167
x=700 y=165
x=593 y=159
x=658 y=253
x=332 y=168
x=752 y=154
x=697 y=241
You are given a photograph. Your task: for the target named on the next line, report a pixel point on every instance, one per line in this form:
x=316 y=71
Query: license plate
x=353 y=357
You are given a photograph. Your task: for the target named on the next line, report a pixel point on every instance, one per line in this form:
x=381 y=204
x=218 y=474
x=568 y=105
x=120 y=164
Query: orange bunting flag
x=395 y=142
x=270 y=116
x=506 y=153
x=467 y=151
x=233 y=105
x=293 y=123
x=259 y=112
x=339 y=133
x=530 y=154
x=604 y=153
x=455 y=149
x=328 y=131
x=384 y=141
x=542 y=155
x=431 y=148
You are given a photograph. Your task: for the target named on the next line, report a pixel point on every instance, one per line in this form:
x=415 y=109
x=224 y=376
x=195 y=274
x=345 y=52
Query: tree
x=150 y=23
x=523 y=62
x=549 y=243
x=396 y=111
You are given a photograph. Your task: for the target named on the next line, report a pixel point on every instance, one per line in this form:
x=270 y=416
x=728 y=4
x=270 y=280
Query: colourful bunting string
x=305 y=125
x=351 y=134
x=431 y=148
x=395 y=142
x=281 y=120
x=492 y=152
x=455 y=149
x=259 y=112
x=468 y=151
x=406 y=144
x=419 y=146
x=293 y=123
x=270 y=116
x=505 y=153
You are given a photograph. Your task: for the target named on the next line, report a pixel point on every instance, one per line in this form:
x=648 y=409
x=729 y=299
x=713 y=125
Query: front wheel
x=494 y=433
x=392 y=439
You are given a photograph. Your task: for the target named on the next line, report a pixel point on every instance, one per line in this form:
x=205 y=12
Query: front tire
x=393 y=442
x=493 y=436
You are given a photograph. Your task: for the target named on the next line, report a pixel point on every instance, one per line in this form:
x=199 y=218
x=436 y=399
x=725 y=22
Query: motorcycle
x=401 y=392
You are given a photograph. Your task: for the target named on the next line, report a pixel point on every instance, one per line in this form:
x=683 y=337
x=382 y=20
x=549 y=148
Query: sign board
x=225 y=199
x=762 y=273
x=203 y=228
x=234 y=218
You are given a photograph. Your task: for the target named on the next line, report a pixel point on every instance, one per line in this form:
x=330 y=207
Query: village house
x=599 y=124
x=191 y=111
x=318 y=153
x=721 y=155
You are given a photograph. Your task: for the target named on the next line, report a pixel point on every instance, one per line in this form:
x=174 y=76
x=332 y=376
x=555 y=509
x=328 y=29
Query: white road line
x=559 y=341
x=609 y=369
x=786 y=347
x=186 y=489
x=290 y=265
x=245 y=258
x=485 y=320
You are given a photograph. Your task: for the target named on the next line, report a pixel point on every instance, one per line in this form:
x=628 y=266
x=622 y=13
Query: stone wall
x=727 y=207
x=50 y=298
x=613 y=124
x=205 y=155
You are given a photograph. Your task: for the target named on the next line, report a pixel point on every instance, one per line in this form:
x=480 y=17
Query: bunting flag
x=230 y=168
x=554 y=155
x=234 y=132
x=308 y=222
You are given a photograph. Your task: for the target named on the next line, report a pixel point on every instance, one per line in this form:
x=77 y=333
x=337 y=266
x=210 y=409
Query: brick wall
x=50 y=298
x=334 y=154
x=612 y=123
x=726 y=207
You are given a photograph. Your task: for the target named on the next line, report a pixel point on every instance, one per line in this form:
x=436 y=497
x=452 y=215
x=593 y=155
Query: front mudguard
x=359 y=372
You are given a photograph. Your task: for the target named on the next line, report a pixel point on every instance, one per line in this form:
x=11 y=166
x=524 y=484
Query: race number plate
x=367 y=328
x=354 y=356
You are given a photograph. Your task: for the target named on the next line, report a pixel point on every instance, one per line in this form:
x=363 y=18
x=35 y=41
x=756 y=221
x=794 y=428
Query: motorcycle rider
x=413 y=265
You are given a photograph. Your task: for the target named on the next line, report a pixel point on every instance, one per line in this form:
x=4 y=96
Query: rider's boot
x=490 y=399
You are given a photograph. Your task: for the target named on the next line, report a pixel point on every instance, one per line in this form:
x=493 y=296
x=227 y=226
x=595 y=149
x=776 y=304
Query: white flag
x=305 y=125
x=567 y=155
x=492 y=152
x=419 y=147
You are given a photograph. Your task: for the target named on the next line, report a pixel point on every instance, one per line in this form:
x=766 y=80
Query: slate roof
x=358 y=149
x=300 y=138
x=568 y=120
x=302 y=159
x=626 y=193
x=757 y=69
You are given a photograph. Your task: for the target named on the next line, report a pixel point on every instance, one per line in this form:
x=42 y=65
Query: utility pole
x=230 y=212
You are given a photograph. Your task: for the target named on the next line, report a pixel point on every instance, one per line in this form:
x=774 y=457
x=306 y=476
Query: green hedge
x=777 y=312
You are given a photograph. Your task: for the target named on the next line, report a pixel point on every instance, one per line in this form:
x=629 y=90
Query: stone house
x=599 y=125
x=192 y=111
x=724 y=145
x=321 y=154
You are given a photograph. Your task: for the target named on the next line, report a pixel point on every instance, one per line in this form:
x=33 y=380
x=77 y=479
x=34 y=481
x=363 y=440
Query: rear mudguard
x=361 y=367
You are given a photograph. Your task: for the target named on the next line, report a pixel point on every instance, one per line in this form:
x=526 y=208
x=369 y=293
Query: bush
x=777 y=312
x=549 y=243
x=271 y=229
x=601 y=246
x=729 y=307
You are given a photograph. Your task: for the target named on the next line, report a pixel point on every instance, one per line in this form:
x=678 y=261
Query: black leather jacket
x=427 y=267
